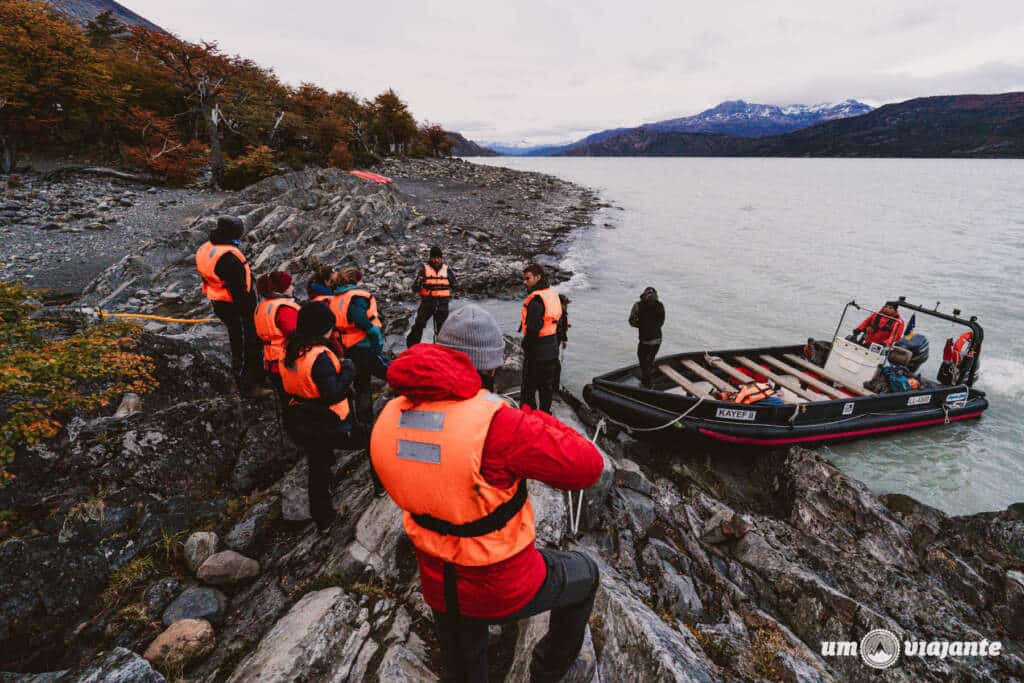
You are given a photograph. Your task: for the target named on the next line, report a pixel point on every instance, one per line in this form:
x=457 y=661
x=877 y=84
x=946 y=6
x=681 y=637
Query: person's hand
x=347 y=364
x=851 y=337
x=565 y=343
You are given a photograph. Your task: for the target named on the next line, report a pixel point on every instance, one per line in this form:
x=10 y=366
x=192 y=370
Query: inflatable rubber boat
x=822 y=391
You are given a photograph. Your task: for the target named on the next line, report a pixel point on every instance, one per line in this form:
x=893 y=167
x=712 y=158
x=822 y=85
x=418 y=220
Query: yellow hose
x=160 y=318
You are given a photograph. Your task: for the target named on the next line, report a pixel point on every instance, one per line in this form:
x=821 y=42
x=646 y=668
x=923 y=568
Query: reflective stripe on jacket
x=552 y=311
x=435 y=282
x=265 y=320
x=207 y=257
x=339 y=304
x=299 y=384
x=428 y=456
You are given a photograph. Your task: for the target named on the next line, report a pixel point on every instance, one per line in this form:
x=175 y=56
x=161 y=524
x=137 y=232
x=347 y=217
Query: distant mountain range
x=467 y=148
x=945 y=126
x=83 y=11
x=734 y=117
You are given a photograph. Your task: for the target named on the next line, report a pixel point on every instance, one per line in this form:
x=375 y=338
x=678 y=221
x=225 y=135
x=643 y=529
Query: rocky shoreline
x=170 y=539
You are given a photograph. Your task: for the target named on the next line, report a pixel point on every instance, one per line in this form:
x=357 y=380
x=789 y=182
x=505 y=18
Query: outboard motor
x=917 y=345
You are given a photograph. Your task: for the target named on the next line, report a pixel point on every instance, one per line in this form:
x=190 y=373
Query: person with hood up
x=275 y=319
x=455 y=457
x=227 y=283
x=434 y=282
x=359 y=329
x=648 y=315
x=540 y=321
x=318 y=413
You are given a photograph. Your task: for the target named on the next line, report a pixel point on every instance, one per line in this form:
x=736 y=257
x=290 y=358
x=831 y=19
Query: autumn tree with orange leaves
x=53 y=85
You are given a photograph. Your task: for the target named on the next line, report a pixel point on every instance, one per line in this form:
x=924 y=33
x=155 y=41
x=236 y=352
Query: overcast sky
x=538 y=72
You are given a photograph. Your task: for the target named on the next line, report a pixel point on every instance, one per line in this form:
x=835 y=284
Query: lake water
x=757 y=252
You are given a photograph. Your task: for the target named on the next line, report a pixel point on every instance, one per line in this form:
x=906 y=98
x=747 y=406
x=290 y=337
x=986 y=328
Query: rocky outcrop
x=491 y=221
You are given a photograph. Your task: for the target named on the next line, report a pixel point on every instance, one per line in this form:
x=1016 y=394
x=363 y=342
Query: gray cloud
x=542 y=71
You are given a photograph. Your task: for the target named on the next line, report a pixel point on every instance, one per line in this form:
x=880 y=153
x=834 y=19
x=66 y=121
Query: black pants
x=646 y=353
x=368 y=364
x=567 y=592
x=539 y=377
x=430 y=306
x=246 y=346
x=320 y=458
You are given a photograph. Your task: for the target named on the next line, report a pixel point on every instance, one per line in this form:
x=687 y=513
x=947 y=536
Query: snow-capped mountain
x=752 y=120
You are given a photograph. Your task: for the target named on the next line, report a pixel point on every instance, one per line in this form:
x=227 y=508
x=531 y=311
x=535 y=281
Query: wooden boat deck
x=787 y=370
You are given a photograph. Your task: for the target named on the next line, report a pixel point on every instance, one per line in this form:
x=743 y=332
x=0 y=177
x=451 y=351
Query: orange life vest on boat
x=207 y=257
x=753 y=392
x=298 y=381
x=552 y=311
x=428 y=455
x=350 y=334
x=265 y=320
x=955 y=352
x=435 y=282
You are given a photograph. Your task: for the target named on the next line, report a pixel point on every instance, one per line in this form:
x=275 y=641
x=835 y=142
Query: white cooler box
x=852 y=363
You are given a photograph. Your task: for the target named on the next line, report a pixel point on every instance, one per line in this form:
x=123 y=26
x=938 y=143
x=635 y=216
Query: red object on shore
x=372 y=177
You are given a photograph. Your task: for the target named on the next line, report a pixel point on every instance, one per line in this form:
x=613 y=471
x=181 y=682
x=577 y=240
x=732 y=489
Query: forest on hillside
x=172 y=108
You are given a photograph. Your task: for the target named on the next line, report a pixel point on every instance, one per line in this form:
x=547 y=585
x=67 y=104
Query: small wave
x=1002 y=376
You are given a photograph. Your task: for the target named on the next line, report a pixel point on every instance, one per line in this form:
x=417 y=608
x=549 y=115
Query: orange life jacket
x=427 y=455
x=753 y=392
x=435 y=282
x=552 y=311
x=955 y=351
x=207 y=258
x=350 y=334
x=880 y=329
x=265 y=320
x=298 y=381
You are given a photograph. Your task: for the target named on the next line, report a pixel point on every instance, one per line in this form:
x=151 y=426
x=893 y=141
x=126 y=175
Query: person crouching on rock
x=359 y=327
x=227 y=283
x=456 y=458
x=318 y=414
x=275 y=319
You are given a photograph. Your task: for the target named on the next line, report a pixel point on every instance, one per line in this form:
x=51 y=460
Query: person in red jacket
x=275 y=319
x=884 y=328
x=455 y=458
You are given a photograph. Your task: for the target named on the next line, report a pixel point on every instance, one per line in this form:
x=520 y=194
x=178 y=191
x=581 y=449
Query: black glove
x=347 y=364
x=852 y=337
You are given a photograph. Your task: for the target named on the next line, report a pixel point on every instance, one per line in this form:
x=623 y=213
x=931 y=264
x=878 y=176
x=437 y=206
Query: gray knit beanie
x=474 y=331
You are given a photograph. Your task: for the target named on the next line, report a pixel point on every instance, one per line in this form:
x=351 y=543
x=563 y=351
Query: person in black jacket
x=648 y=315
x=227 y=282
x=543 y=334
x=319 y=414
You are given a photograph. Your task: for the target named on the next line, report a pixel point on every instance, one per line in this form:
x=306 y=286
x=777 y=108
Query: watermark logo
x=880 y=648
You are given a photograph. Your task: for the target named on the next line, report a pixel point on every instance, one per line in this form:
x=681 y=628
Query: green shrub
x=43 y=380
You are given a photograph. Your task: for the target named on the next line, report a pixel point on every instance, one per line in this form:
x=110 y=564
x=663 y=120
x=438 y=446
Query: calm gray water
x=751 y=252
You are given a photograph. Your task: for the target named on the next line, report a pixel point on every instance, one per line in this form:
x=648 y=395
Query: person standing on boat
x=884 y=328
x=434 y=282
x=539 y=323
x=648 y=315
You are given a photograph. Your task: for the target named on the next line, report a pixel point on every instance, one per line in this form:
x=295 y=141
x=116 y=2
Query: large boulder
x=227 y=568
x=116 y=666
x=320 y=638
x=198 y=548
x=181 y=644
x=197 y=602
